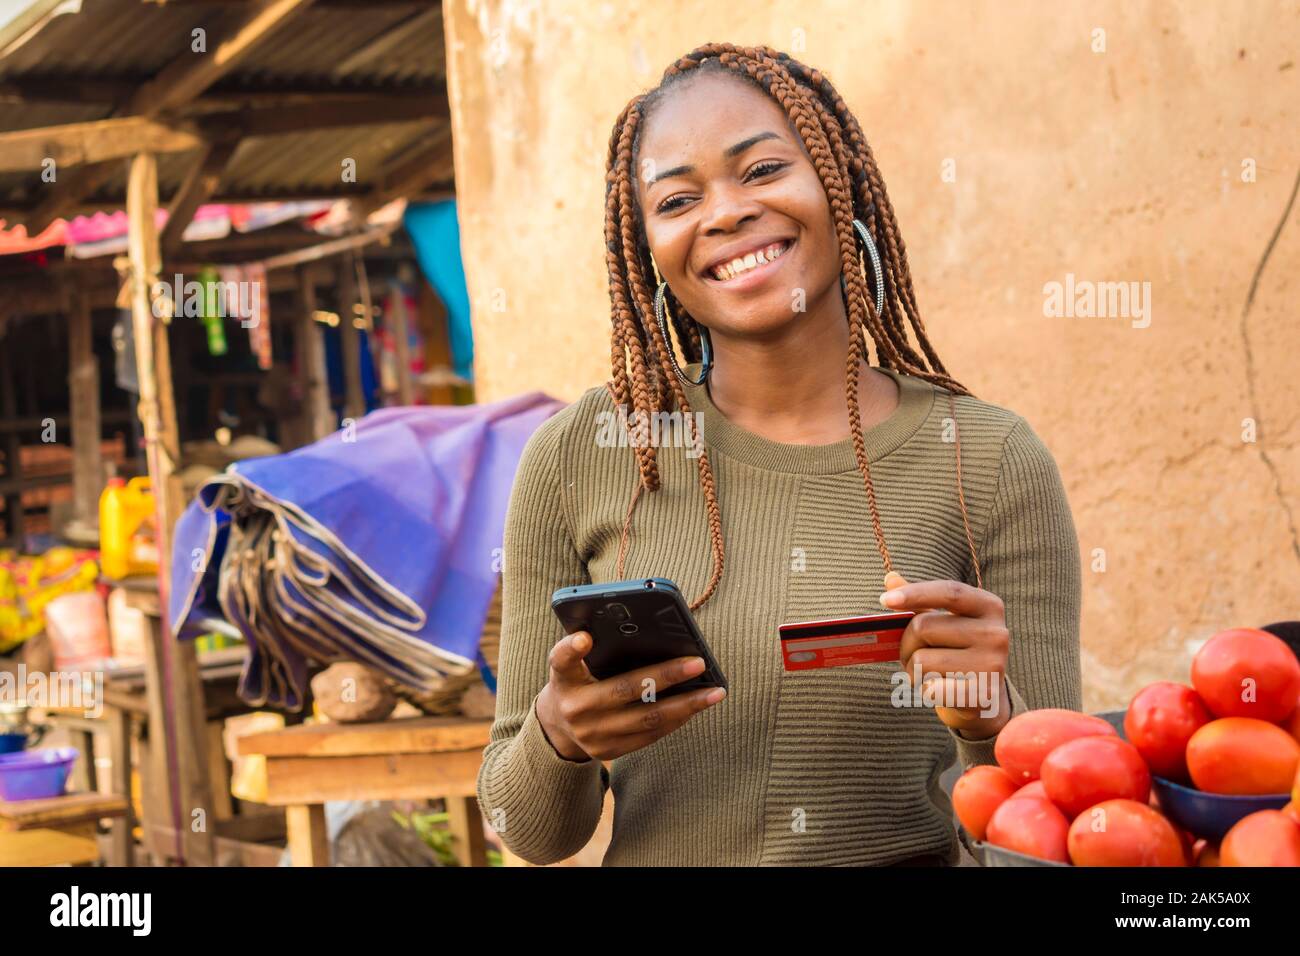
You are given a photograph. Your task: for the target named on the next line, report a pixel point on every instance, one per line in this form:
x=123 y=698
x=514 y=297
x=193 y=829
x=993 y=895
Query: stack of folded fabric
x=378 y=544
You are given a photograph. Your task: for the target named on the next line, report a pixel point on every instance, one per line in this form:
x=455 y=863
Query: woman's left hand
x=958 y=631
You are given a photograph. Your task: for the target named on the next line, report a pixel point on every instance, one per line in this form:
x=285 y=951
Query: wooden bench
x=412 y=758
x=55 y=830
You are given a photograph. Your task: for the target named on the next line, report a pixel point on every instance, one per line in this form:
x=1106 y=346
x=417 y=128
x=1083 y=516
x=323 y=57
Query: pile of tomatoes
x=1069 y=789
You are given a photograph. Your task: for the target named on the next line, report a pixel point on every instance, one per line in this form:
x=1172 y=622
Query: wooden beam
x=402 y=342
x=311 y=360
x=83 y=383
x=304 y=117
x=228 y=94
x=190 y=74
x=201 y=181
x=333 y=247
x=73 y=144
x=64 y=89
x=354 y=401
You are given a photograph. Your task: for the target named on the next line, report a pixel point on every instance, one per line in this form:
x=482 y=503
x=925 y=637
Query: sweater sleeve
x=544 y=807
x=1029 y=557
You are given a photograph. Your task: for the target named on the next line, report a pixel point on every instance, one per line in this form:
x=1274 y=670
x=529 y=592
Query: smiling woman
x=742 y=202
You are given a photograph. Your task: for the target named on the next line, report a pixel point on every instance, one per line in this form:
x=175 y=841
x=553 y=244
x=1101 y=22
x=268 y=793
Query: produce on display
x=1266 y=838
x=1029 y=737
x=1032 y=826
x=1125 y=833
x=1160 y=720
x=1082 y=773
x=1242 y=755
x=1203 y=775
x=1247 y=673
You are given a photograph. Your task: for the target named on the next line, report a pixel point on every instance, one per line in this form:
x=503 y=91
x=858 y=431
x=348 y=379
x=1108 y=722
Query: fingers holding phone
x=584 y=717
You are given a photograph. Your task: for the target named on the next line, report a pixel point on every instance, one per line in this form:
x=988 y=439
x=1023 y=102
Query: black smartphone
x=635 y=624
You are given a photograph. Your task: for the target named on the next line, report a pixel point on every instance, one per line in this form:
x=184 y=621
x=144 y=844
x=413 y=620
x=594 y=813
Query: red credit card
x=838 y=642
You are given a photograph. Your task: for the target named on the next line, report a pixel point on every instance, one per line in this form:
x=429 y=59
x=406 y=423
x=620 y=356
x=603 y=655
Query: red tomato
x=1292 y=724
x=1124 y=833
x=1082 y=773
x=1266 y=838
x=1034 y=789
x=1245 y=672
x=977 y=793
x=1292 y=810
x=1243 y=756
x=1029 y=737
x=1030 y=825
x=1160 y=720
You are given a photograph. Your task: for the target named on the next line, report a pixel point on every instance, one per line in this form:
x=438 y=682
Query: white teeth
x=751 y=260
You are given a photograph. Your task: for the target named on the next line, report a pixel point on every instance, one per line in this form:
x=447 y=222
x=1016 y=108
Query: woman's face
x=735 y=214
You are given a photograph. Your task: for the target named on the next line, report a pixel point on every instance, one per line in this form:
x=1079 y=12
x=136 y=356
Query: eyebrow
x=731 y=152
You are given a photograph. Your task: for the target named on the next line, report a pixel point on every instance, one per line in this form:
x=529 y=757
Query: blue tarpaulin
x=436 y=235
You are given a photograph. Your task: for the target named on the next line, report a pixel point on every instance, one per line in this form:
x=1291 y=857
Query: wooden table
x=55 y=830
x=411 y=758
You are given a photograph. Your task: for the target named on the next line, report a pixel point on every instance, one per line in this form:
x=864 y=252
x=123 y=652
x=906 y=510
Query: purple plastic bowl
x=35 y=774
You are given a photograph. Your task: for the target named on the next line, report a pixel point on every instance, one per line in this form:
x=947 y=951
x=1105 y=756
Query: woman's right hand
x=584 y=717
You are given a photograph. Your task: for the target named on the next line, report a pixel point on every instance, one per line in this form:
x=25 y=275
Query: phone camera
x=618 y=613
x=628 y=628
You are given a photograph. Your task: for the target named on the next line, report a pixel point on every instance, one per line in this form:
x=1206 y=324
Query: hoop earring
x=706 y=344
x=875 y=264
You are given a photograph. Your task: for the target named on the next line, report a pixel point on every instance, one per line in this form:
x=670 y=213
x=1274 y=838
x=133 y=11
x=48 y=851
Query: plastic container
x=36 y=774
x=126 y=541
x=1210 y=815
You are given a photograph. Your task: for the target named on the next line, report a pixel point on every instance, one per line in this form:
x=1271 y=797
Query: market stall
x=281 y=146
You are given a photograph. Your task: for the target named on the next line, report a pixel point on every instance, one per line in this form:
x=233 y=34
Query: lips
x=741 y=262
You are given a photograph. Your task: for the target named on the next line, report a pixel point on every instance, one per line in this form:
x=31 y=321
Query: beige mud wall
x=1015 y=153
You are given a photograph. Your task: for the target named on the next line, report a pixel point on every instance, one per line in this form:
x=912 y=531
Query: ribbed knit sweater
x=812 y=767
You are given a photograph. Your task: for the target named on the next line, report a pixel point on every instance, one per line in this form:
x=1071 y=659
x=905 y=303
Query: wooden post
x=311 y=360
x=83 y=385
x=401 y=336
x=121 y=842
x=309 y=840
x=179 y=743
x=14 y=519
x=354 y=404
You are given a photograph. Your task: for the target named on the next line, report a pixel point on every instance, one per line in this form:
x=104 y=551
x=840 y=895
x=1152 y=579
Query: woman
x=732 y=194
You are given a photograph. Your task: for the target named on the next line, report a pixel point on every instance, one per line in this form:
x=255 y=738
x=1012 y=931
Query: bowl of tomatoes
x=1201 y=774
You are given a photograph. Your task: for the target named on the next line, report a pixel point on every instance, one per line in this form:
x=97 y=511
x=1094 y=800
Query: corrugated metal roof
x=333 y=45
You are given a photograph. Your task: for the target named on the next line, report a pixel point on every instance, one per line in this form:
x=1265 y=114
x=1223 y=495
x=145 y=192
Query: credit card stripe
x=811 y=643
x=814 y=629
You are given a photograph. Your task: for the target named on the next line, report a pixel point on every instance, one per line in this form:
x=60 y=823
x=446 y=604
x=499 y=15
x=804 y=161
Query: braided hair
x=643 y=375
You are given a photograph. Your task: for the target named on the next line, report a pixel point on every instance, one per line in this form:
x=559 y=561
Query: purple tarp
x=377 y=544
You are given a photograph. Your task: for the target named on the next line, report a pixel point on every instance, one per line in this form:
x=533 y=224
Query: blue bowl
x=36 y=774
x=1210 y=815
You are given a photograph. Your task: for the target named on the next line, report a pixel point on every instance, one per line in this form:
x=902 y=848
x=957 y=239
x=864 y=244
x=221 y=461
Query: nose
x=727 y=209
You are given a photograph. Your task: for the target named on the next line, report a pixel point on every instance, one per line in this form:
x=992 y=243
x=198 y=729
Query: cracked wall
x=1128 y=164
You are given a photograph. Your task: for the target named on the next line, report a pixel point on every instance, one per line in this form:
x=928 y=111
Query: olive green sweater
x=813 y=767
